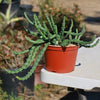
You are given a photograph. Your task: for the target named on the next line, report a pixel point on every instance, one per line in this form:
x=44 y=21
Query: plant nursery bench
x=86 y=74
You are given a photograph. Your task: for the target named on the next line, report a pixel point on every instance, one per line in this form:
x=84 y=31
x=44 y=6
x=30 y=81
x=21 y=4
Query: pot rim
x=59 y=48
x=70 y=45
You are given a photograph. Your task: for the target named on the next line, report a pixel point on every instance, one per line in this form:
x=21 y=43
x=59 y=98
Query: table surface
x=86 y=74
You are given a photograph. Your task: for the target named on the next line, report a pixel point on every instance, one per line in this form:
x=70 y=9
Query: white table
x=85 y=76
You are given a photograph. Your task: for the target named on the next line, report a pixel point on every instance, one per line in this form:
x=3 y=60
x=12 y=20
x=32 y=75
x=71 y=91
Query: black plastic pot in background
x=30 y=14
x=15 y=4
x=11 y=84
x=24 y=8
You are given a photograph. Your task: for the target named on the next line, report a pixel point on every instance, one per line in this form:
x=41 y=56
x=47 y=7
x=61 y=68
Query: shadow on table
x=92 y=20
x=88 y=35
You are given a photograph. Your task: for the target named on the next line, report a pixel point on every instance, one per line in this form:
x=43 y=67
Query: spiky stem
x=62 y=29
x=28 y=19
x=49 y=22
x=82 y=32
x=49 y=34
x=19 y=53
x=40 y=32
x=93 y=45
x=31 y=32
x=35 y=64
x=53 y=24
x=39 y=41
x=28 y=61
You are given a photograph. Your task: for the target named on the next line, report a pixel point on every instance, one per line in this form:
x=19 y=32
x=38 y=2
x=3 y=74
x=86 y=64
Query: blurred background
x=12 y=36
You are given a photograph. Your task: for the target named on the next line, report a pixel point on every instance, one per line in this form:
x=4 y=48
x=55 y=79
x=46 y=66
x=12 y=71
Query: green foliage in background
x=5 y=1
x=13 y=97
x=38 y=87
x=7 y=20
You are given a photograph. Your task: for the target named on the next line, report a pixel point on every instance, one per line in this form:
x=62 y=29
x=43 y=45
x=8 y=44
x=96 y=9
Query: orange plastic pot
x=60 y=59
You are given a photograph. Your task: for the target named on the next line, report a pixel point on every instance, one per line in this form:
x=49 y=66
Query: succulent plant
x=45 y=38
x=8 y=18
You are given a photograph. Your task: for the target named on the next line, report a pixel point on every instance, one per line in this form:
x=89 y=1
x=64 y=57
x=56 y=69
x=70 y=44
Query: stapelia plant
x=62 y=38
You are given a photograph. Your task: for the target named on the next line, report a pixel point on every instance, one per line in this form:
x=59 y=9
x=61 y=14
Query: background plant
x=7 y=20
x=38 y=87
x=13 y=97
x=47 y=6
x=18 y=42
x=45 y=38
x=10 y=37
x=5 y=1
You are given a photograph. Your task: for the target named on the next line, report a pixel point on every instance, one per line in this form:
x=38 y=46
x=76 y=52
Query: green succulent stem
x=19 y=53
x=82 y=32
x=28 y=19
x=35 y=64
x=31 y=32
x=93 y=45
x=29 y=60
x=40 y=32
x=63 y=29
x=39 y=41
x=46 y=29
x=49 y=21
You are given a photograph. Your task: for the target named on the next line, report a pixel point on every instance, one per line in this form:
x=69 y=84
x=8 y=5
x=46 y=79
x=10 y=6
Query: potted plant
x=14 y=5
x=61 y=40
